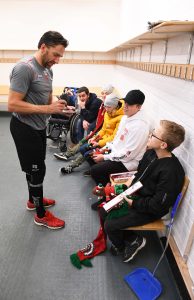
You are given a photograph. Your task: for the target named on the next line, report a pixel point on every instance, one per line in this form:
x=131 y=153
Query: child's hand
x=94 y=143
x=129 y=201
x=98 y=157
x=85 y=124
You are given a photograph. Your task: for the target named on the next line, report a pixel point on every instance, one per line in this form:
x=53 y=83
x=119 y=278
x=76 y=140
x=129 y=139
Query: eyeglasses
x=152 y=135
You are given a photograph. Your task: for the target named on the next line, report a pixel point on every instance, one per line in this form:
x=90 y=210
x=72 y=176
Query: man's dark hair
x=83 y=89
x=65 y=97
x=52 y=38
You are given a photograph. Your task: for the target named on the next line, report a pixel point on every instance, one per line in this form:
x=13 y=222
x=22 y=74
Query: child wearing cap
x=112 y=117
x=129 y=144
x=106 y=90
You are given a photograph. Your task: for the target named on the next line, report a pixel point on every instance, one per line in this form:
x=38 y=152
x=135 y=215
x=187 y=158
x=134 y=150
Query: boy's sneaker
x=132 y=248
x=116 y=251
x=70 y=152
x=66 y=170
x=49 y=221
x=87 y=173
x=46 y=203
x=61 y=155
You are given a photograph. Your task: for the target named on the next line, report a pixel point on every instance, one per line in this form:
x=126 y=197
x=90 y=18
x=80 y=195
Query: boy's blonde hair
x=173 y=135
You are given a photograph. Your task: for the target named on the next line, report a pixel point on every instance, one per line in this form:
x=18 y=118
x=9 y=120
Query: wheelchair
x=58 y=127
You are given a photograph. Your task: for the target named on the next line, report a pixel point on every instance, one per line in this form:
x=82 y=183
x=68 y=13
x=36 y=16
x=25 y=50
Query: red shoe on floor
x=49 y=221
x=46 y=203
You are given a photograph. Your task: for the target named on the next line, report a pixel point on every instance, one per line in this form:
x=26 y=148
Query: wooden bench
x=157 y=225
x=4 y=89
x=160 y=225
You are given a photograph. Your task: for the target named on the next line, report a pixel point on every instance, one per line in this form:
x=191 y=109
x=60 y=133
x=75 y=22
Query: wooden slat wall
x=180 y=71
x=66 y=61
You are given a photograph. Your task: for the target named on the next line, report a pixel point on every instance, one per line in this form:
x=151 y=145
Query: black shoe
x=116 y=251
x=66 y=170
x=94 y=206
x=63 y=148
x=132 y=248
x=87 y=173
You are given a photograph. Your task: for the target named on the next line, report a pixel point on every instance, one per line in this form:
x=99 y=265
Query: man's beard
x=45 y=62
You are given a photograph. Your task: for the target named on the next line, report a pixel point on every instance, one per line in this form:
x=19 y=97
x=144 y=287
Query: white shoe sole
x=61 y=157
x=46 y=206
x=45 y=225
x=137 y=250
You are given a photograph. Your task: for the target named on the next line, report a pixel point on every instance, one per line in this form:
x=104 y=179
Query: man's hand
x=82 y=104
x=70 y=107
x=17 y=103
x=57 y=98
x=85 y=124
x=98 y=158
x=57 y=107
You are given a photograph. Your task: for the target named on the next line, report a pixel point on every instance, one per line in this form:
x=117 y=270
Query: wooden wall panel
x=180 y=71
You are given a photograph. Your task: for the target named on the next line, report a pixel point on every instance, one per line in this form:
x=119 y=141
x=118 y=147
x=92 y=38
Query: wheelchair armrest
x=59 y=121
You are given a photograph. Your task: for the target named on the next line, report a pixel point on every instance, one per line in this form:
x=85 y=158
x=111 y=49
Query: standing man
x=30 y=100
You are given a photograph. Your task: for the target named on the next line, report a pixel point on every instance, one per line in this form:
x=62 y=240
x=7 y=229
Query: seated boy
x=162 y=177
x=129 y=143
x=71 y=151
x=112 y=118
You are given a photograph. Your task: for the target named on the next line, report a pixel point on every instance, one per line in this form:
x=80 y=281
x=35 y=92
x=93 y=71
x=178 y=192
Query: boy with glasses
x=162 y=177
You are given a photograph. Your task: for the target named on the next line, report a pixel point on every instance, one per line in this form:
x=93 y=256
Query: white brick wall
x=169 y=98
x=145 y=55
x=177 y=51
x=192 y=57
x=137 y=54
x=158 y=49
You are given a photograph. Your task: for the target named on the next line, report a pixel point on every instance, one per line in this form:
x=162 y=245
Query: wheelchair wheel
x=56 y=127
x=74 y=126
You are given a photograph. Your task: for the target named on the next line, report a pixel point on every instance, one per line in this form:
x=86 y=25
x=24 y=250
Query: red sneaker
x=46 y=203
x=49 y=221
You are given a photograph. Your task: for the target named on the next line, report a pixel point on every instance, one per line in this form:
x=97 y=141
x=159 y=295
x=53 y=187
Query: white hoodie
x=130 y=142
